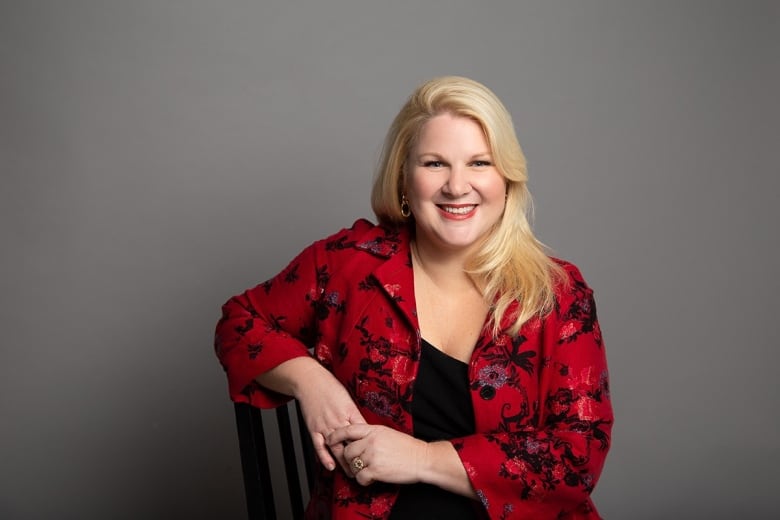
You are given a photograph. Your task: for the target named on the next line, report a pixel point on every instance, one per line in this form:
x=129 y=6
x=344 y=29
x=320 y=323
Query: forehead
x=448 y=130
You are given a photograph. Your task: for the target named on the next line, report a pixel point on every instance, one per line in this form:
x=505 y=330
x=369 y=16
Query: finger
x=321 y=449
x=356 y=418
x=348 y=454
x=346 y=466
x=347 y=434
x=342 y=462
x=337 y=450
x=338 y=437
x=363 y=477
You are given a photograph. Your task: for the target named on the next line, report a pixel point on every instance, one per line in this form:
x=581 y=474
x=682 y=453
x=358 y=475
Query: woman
x=457 y=370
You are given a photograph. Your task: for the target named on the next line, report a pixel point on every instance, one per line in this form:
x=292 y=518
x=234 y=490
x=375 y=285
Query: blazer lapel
x=395 y=275
x=396 y=279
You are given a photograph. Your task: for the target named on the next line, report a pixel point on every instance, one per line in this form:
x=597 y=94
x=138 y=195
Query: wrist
x=290 y=376
x=443 y=468
x=427 y=468
x=308 y=373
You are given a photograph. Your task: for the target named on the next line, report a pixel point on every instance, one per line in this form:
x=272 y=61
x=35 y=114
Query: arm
x=262 y=342
x=264 y=327
x=395 y=457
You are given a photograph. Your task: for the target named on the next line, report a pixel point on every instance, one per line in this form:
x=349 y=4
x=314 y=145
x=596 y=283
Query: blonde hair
x=511 y=264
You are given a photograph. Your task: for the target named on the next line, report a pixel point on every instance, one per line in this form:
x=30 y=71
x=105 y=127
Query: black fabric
x=441 y=409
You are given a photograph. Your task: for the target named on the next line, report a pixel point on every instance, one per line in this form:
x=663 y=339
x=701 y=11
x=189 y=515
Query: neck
x=447 y=270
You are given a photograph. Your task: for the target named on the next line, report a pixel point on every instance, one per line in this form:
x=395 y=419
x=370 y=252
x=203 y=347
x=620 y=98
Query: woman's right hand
x=325 y=404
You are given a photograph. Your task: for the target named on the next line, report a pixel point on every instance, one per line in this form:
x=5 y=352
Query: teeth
x=458 y=211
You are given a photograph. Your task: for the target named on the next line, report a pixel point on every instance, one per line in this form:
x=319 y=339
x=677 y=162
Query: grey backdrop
x=158 y=157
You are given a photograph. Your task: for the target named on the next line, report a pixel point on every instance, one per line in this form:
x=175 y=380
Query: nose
x=457 y=183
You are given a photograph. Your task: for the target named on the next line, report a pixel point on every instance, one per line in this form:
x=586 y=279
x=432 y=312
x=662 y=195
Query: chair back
x=255 y=461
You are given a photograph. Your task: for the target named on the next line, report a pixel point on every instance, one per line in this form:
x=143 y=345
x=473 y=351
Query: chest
x=373 y=345
x=451 y=322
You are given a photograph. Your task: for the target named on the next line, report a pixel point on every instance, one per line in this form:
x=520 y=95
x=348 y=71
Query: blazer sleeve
x=267 y=325
x=549 y=471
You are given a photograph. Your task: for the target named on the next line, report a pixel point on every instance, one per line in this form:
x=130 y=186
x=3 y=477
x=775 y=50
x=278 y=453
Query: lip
x=457 y=216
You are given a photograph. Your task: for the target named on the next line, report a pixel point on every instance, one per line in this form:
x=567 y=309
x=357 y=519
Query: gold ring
x=357 y=464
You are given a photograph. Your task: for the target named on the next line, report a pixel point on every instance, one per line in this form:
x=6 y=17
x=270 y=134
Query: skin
x=456 y=196
x=325 y=404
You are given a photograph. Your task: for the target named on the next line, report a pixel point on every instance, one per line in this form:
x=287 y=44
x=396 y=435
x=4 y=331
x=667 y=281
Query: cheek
x=420 y=188
x=501 y=185
x=494 y=188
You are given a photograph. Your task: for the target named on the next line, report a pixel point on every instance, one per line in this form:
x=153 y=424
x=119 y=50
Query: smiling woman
x=457 y=369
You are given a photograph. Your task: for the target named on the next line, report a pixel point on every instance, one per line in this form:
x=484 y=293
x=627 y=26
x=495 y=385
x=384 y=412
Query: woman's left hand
x=387 y=454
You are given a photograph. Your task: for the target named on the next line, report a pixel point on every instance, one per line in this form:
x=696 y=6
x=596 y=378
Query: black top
x=441 y=409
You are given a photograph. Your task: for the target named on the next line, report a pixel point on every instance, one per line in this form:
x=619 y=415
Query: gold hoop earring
x=405 y=210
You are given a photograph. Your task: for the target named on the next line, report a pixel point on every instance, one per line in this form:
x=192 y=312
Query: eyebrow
x=439 y=156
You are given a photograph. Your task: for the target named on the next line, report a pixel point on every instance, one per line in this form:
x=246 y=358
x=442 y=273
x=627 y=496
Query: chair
x=254 y=449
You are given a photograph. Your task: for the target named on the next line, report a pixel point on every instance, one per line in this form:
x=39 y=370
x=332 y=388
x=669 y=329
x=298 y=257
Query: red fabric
x=541 y=398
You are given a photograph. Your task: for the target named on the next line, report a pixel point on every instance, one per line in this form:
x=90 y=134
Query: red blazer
x=541 y=397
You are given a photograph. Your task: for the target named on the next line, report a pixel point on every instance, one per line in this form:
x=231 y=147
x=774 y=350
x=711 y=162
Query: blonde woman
x=444 y=363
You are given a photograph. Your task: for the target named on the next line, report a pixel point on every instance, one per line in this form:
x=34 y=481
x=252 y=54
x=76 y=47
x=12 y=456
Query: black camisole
x=441 y=410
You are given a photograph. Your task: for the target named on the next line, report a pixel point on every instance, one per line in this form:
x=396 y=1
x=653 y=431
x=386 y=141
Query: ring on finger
x=357 y=464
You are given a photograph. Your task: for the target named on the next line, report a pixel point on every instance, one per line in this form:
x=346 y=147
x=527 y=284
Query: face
x=455 y=192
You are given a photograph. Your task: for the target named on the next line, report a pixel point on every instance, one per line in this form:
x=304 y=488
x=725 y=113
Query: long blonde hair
x=511 y=264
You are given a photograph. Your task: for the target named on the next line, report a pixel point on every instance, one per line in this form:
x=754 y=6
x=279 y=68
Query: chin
x=458 y=243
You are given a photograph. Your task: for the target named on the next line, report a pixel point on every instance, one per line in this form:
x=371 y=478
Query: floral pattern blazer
x=541 y=397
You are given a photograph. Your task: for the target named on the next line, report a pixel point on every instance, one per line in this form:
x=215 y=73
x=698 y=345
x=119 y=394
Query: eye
x=433 y=164
x=481 y=163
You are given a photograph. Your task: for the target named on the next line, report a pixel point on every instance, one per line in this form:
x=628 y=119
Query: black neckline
x=442 y=354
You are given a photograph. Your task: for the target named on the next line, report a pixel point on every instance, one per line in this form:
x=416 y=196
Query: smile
x=457 y=210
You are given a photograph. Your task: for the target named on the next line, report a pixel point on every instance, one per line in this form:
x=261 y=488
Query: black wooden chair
x=258 y=477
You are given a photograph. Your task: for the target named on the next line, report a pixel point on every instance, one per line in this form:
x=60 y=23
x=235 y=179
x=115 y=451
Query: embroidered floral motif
x=253 y=349
x=490 y=379
x=381 y=506
x=291 y=276
x=368 y=283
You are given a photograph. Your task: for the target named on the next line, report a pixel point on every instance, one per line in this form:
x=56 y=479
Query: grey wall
x=158 y=157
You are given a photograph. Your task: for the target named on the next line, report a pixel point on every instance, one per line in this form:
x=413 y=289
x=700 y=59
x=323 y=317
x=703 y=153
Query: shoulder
x=365 y=238
x=572 y=272
x=571 y=289
x=571 y=281
x=575 y=306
